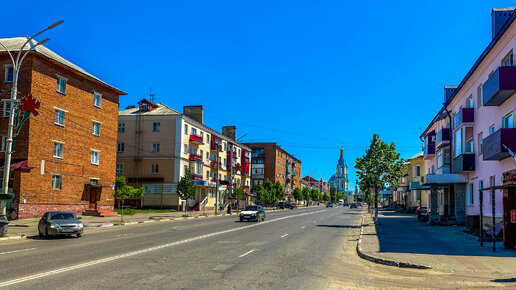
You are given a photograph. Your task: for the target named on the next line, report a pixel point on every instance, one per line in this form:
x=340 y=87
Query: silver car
x=57 y=223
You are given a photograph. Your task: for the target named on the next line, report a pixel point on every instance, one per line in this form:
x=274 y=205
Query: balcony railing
x=464 y=162
x=196 y=176
x=464 y=115
x=499 y=86
x=196 y=139
x=429 y=145
x=442 y=137
x=195 y=157
x=213 y=164
x=494 y=144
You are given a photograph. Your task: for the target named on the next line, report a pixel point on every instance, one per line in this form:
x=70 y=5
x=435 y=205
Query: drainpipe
x=450 y=137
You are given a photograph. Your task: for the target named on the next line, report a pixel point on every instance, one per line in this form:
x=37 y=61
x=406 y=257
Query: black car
x=353 y=205
x=422 y=213
x=57 y=223
x=252 y=212
x=329 y=204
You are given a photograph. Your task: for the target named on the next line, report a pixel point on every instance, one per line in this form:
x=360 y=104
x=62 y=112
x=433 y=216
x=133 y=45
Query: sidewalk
x=403 y=241
x=28 y=227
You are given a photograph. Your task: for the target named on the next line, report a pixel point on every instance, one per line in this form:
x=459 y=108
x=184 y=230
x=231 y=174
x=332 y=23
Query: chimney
x=194 y=112
x=448 y=91
x=498 y=18
x=229 y=131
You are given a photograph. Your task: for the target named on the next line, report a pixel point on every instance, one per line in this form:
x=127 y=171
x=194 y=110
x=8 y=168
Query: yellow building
x=417 y=195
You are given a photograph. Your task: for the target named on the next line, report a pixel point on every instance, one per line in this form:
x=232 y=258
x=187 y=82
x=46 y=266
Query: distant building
x=340 y=180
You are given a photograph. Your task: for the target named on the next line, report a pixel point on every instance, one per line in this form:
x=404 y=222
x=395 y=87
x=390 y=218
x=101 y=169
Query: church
x=340 y=180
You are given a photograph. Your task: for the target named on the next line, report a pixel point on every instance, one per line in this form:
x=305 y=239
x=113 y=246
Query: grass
x=186 y=215
x=132 y=211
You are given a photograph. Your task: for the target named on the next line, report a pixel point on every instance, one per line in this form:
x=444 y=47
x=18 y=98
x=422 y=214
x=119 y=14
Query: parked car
x=283 y=205
x=346 y=203
x=353 y=205
x=252 y=212
x=422 y=213
x=329 y=204
x=290 y=205
x=57 y=223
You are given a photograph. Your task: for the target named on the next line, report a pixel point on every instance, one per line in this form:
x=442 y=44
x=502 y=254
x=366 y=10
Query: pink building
x=468 y=144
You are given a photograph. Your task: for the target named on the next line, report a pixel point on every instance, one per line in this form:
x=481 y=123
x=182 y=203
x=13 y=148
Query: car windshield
x=63 y=216
x=251 y=208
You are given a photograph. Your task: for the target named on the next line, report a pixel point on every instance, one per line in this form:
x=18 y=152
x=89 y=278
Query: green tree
x=238 y=193
x=298 y=194
x=279 y=191
x=124 y=191
x=272 y=200
x=315 y=194
x=380 y=165
x=261 y=194
x=333 y=194
x=306 y=195
x=186 y=187
x=326 y=197
x=338 y=196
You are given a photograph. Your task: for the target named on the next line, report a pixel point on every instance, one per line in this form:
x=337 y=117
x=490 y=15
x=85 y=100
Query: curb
x=18 y=237
x=383 y=261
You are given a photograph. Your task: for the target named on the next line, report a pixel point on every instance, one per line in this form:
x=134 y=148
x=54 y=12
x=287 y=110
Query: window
x=194 y=131
x=185 y=168
x=208 y=155
x=119 y=168
x=469 y=102
x=201 y=153
x=208 y=138
x=479 y=96
x=58 y=150
x=57 y=181
x=507 y=60
x=458 y=143
x=60 y=117
x=154 y=169
x=97 y=99
x=185 y=148
x=207 y=175
x=418 y=171
x=492 y=181
x=469 y=145
x=156 y=126
x=239 y=152
x=508 y=121
x=94 y=181
x=202 y=136
x=480 y=187
x=96 y=128
x=7 y=108
x=95 y=157
x=480 y=144
x=120 y=147
x=61 y=85
x=186 y=129
x=121 y=127
x=9 y=73
x=155 y=147
x=491 y=129
x=469 y=194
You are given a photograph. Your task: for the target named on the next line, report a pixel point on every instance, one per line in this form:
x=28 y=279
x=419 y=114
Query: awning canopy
x=417 y=186
x=24 y=165
x=443 y=179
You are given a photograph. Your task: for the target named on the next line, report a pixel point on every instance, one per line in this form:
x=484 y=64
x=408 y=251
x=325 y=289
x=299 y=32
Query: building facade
x=273 y=163
x=156 y=145
x=65 y=156
x=340 y=180
x=469 y=142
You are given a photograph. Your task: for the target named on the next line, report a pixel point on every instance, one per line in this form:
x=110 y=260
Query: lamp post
x=16 y=62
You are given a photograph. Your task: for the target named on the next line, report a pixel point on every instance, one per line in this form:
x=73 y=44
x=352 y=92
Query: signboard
x=513 y=216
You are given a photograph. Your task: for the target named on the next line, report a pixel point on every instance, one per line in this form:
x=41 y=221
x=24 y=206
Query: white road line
x=303 y=227
x=245 y=254
x=17 y=251
x=134 y=253
x=284 y=235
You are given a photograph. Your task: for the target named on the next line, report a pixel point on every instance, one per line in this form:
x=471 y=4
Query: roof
x=341 y=161
x=14 y=44
x=503 y=9
x=255 y=145
x=161 y=110
x=420 y=154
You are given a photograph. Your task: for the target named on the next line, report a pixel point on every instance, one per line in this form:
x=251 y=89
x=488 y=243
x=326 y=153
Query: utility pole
x=217 y=174
x=16 y=63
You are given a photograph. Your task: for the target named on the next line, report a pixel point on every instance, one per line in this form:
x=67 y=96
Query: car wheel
x=263 y=218
x=40 y=234
x=241 y=220
x=79 y=235
x=46 y=234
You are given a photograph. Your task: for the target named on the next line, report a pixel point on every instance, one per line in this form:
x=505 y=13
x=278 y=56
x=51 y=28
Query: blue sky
x=310 y=75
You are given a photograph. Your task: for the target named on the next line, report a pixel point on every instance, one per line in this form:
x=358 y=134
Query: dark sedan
x=57 y=223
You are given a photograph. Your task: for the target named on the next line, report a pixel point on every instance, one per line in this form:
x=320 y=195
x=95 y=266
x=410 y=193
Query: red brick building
x=64 y=157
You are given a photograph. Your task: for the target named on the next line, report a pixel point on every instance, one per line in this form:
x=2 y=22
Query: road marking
x=245 y=254
x=17 y=251
x=134 y=253
x=303 y=227
x=124 y=235
x=284 y=235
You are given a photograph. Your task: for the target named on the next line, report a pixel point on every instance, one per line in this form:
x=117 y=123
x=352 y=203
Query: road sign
x=513 y=216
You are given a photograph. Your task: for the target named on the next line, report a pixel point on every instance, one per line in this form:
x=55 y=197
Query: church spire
x=341 y=162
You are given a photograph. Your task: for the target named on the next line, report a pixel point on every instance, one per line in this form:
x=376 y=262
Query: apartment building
x=65 y=156
x=157 y=144
x=416 y=194
x=271 y=162
x=469 y=142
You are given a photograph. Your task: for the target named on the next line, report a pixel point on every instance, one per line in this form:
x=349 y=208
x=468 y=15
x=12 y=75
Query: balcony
x=258 y=176
x=499 y=86
x=213 y=164
x=429 y=145
x=196 y=139
x=464 y=162
x=442 y=137
x=196 y=176
x=493 y=144
x=463 y=116
x=195 y=157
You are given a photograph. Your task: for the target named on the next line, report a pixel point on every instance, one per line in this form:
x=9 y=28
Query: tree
x=124 y=191
x=326 y=197
x=271 y=193
x=238 y=193
x=298 y=194
x=186 y=187
x=333 y=194
x=380 y=165
x=279 y=191
x=339 y=196
x=261 y=194
x=314 y=194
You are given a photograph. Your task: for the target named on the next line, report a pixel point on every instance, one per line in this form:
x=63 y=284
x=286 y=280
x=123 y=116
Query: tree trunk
x=122 y=218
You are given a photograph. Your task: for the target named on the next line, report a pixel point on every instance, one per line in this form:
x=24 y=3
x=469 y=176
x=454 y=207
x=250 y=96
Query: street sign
x=513 y=216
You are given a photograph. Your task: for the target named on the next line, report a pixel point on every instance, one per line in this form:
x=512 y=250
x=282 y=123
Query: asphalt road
x=299 y=249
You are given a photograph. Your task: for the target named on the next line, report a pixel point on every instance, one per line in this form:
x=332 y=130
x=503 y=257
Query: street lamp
x=14 y=91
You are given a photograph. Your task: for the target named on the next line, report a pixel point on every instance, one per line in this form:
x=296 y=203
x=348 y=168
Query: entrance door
x=93 y=197
x=509 y=230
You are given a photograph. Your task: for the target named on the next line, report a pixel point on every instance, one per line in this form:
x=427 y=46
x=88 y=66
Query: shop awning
x=417 y=186
x=24 y=165
x=443 y=179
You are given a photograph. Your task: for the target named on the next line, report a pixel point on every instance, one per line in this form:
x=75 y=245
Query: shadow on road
x=504 y=280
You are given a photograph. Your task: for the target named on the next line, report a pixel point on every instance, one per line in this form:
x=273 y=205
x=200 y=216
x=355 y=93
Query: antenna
x=151 y=95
